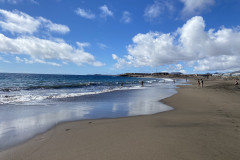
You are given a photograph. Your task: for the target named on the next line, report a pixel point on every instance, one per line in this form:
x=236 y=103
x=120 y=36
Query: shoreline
x=209 y=130
x=163 y=108
x=114 y=104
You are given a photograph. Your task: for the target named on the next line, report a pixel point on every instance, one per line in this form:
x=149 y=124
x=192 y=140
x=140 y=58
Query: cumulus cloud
x=22 y=23
x=85 y=13
x=105 y=12
x=193 y=7
x=219 y=63
x=126 y=17
x=122 y=62
x=41 y=50
x=206 y=50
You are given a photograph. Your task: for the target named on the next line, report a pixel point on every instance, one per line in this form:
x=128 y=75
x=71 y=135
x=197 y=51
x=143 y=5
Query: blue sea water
x=32 y=103
x=34 y=88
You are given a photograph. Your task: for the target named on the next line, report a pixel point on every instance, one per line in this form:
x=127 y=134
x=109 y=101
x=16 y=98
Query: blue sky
x=118 y=36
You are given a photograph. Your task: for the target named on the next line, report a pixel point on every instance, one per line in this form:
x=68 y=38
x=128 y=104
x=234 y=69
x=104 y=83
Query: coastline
x=205 y=124
x=113 y=104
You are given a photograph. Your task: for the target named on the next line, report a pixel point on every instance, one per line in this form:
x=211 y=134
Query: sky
x=119 y=36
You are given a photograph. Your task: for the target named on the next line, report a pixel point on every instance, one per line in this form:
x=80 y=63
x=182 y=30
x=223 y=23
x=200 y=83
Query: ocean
x=30 y=104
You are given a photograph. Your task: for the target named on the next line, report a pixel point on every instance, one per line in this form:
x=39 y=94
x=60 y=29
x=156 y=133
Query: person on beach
x=121 y=84
x=174 y=81
x=198 y=83
x=142 y=83
x=236 y=83
x=202 y=83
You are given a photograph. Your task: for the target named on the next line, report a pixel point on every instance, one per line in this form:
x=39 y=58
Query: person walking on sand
x=198 y=81
x=202 y=83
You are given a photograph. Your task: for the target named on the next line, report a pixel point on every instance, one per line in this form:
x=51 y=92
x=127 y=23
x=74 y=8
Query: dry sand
x=205 y=125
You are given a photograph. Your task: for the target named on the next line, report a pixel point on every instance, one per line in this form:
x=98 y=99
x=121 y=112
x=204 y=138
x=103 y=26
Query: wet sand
x=205 y=125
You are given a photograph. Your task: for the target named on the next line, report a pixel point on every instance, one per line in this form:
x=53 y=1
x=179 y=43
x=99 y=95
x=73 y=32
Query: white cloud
x=114 y=56
x=102 y=46
x=176 y=68
x=193 y=7
x=31 y=61
x=10 y=1
x=17 y=1
x=83 y=44
x=179 y=66
x=126 y=17
x=34 y=1
x=41 y=50
x=18 y=59
x=53 y=27
x=157 y=9
x=121 y=62
x=18 y=22
x=4 y=60
x=206 y=50
x=153 y=10
x=105 y=12
x=153 y=49
x=219 y=63
x=85 y=13
x=22 y=23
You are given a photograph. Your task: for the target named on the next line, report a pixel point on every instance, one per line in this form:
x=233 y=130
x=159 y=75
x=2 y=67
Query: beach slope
x=205 y=125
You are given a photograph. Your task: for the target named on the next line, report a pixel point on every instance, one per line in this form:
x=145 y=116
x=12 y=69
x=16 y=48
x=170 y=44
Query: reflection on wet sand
x=19 y=123
x=28 y=124
x=148 y=102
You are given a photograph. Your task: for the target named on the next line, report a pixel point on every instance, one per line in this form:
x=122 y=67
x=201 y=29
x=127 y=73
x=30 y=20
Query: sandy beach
x=205 y=125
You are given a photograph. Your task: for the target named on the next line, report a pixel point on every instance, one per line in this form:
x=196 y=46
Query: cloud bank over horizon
x=203 y=50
